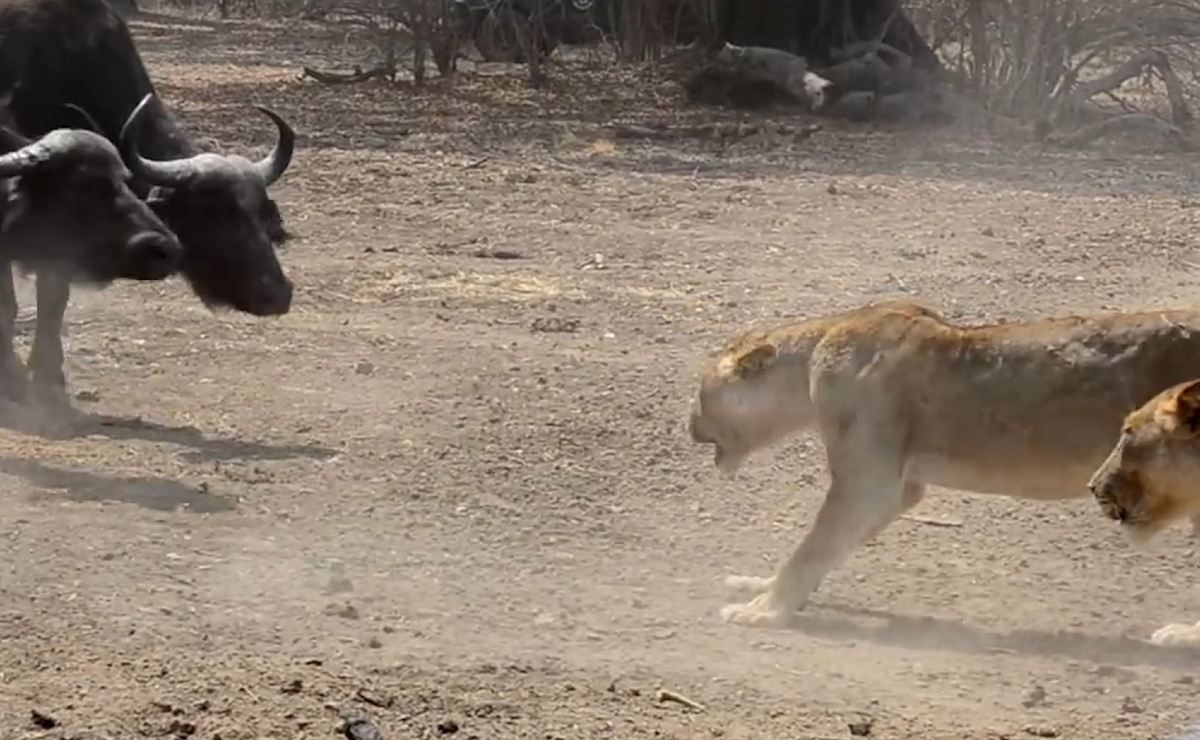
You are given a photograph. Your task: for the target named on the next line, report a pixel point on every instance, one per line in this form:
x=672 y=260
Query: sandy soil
x=452 y=494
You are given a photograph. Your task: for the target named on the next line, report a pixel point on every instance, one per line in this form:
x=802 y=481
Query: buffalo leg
x=13 y=385
x=46 y=356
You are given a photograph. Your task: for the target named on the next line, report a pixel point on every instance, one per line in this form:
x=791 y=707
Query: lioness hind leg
x=1177 y=634
x=754 y=585
x=1196 y=526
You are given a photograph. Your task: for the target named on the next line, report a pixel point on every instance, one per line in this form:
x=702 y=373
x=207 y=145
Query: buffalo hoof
x=14 y=385
x=51 y=413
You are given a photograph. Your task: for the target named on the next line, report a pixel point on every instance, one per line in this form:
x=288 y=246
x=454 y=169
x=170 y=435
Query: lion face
x=748 y=400
x=1152 y=476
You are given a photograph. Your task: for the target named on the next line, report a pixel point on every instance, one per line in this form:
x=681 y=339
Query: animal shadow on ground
x=934 y=633
x=203 y=449
x=159 y=494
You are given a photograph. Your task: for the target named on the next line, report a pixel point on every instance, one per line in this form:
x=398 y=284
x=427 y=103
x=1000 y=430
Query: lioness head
x=750 y=397
x=1152 y=476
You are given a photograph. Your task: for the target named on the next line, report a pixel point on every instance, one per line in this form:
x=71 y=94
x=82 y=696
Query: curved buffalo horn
x=171 y=173
x=85 y=117
x=31 y=154
x=276 y=163
x=11 y=140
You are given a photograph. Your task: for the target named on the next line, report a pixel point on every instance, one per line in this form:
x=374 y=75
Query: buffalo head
x=219 y=208
x=67 y=201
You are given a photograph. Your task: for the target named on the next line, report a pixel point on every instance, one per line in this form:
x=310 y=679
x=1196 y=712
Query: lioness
x=902 y=398
x=1151 y=477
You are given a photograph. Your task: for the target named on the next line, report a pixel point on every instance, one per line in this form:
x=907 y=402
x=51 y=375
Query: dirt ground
x=451 y=492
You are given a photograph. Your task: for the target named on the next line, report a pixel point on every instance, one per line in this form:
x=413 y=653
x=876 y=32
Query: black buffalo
x=56 y=55
x=65 y=205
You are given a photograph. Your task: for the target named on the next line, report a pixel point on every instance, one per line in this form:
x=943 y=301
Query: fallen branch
x=754 y=77
x=666 y=695
x=721 y=131
x=931 y=521
x=1181 y=114
x=347 y=78
x=870 y=72
x=1155 y=59
x=1131 y=68
x=909 y=107
x=888 y=53
x=1127 y=122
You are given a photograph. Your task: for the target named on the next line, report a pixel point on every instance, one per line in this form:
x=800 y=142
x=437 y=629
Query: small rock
x=295 y=686
x=383 y=701
x=988 y=231
x=87 y=396
x=1041 y=731
x=345 y=611
x=339 y=585
x=339 y=582
x=364 y=368
x=41 y=720
x=862 y=728
x=374 y=643
x=1035 y=698
x=361 y=729
x=1129 y=706
x=447 y=727
x=555 y=324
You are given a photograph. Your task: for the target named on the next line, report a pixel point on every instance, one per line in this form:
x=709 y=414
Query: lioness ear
x=1186 y=412
x=755 y=360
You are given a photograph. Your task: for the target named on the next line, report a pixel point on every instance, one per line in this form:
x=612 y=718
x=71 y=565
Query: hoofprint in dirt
x=453 y=493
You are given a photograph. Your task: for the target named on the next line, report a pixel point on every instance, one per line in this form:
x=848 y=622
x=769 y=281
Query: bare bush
x=417 y=29
x=1058 y=64
x=640 y=32
x=643 y=30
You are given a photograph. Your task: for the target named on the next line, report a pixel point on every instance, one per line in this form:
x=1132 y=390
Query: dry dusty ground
x=459 y=486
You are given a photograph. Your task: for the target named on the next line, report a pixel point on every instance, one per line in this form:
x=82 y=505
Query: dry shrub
x=417 y=29
x=644 y=29
x=1047 y=61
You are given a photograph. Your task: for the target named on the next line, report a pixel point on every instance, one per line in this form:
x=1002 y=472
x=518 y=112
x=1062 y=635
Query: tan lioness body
x=903 y=398
x=1151 y=477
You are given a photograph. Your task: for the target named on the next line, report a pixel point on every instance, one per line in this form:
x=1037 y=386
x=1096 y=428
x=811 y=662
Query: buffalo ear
x=756 y=360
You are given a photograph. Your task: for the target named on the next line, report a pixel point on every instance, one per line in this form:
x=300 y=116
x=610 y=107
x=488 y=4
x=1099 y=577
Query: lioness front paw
x=752 y=585
x=1177 y=634
x=765 y=610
